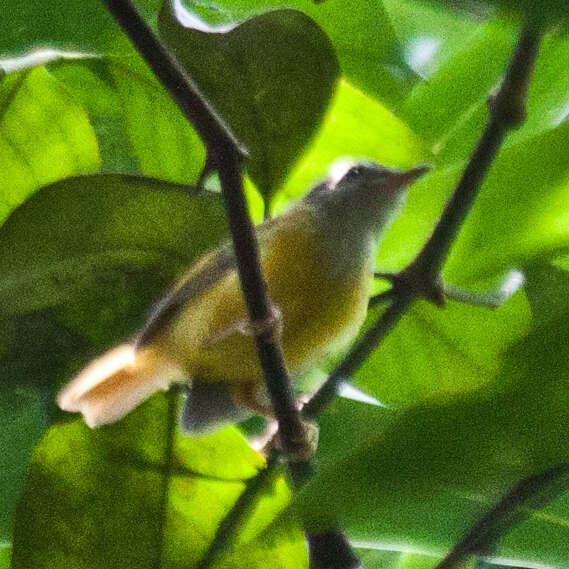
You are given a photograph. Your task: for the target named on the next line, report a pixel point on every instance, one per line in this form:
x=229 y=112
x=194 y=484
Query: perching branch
x=225 y=152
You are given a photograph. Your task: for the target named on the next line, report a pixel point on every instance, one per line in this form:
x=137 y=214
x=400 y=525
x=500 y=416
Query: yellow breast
x=322 y=310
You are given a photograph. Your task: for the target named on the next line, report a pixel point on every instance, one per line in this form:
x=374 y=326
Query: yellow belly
x=321 y=311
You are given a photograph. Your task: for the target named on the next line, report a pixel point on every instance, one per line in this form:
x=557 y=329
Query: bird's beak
x=404 y=179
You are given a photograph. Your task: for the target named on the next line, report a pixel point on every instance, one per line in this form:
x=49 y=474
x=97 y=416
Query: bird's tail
x=118 y=381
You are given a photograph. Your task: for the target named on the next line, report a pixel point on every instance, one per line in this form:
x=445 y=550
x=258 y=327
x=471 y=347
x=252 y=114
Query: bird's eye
x=353 y=172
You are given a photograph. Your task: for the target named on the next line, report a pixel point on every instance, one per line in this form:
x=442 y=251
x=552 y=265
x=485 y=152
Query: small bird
x=317 y=259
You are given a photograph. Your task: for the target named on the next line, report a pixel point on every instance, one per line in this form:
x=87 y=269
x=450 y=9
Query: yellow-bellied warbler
x=317 y=259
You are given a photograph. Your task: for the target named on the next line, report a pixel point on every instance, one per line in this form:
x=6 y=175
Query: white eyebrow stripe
x=339 y=169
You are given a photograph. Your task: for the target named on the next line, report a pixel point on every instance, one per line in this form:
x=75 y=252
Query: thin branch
x=226 y=153
x=381 y=298
x=227 y=528
x=534 y=492
x=224 y=147
x=421 y=279
x=507 y=111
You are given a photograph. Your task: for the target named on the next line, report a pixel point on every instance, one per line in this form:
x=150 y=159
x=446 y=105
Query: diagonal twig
x=421 y=278
x=533 y=492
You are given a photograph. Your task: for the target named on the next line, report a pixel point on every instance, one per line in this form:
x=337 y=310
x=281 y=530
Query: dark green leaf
x=21 y=426
x=253 y=75
x=365 y=43
x=74 y=283
x=57 y=253
x=547 y=288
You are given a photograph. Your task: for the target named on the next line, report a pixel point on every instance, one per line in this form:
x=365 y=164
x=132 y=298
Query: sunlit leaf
x=140 y=130
x=122 y=495
x=44 y=136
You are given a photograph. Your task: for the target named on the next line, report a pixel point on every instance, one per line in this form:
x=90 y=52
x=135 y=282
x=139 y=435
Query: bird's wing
x=200 y=278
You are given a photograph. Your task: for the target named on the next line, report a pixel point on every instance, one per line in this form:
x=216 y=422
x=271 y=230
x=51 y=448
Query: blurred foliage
x=96 y=164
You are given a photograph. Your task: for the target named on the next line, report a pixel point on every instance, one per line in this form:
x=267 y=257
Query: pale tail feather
x=118 y=381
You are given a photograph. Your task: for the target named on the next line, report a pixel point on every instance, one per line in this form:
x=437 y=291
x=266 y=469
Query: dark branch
x=507 y=111
x=534 y=492
x=421 y=279
x=226 y=153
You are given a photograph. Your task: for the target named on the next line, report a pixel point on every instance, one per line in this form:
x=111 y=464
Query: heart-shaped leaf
x=269 y=77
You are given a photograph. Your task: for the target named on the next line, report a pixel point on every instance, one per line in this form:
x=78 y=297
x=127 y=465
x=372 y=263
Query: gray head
x=362 y=195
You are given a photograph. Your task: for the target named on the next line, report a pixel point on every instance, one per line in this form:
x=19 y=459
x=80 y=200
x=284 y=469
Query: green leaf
x=270 y=97
x=547 y=289
x=357 y=126
x=44 y=136
x=439 y=466
x=139 y=128
x=72 y=284
x=519 y=216
x=436 y=353
x=58 y=253
x=121 y=495
x=5 y=555
x=59 y=24
x=365 y=43
x=459 y=87
x=428 y=35
x=543 y=12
